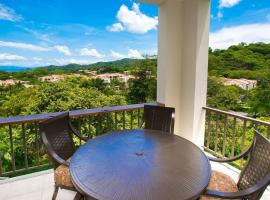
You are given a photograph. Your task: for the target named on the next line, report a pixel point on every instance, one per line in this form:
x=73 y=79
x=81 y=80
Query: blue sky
x=39 y=32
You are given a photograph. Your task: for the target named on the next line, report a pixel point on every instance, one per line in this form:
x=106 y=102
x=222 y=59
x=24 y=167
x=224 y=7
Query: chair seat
x=62 y=176
x=220 y=182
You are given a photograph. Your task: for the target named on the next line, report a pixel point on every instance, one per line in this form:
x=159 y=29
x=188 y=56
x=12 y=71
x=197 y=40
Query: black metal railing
x=21 y=150
x=228 y=134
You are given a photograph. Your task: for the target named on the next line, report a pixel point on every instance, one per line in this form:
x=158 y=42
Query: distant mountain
x=117 y=63
x=13 y=68
x=74 y=67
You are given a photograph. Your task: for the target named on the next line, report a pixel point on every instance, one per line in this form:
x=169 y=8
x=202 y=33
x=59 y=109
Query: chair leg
x=78 y=196
x=56 y=188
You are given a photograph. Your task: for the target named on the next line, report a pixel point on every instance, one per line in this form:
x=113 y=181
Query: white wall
x=182 y=63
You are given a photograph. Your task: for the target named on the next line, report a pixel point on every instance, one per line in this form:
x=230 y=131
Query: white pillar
x=183 y=63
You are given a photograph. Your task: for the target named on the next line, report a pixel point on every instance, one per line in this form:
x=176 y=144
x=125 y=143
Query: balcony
x=226 y=135
x=181 y=83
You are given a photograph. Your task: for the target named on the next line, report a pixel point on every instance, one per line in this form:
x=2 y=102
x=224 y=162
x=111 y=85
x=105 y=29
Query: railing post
x=209 y=130
x=234 y=133
x=37 y=141
x=24 y=146
x=139 y=118
x=131 y=119
x=224 y=136
x=1 y=163
x=216 y=132
x=115 y=120
x=243 y=140
x=124 y=120
x=12 y=148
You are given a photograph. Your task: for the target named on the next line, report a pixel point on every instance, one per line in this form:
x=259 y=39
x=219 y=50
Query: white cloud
x=30 y=47
x=37 y=59
x=91 y=52
x=6 y=56
x=8 y=14
x=39 y=35
x=219 y=15
x=250 y=33
x=24 y=46
x=133 y=20
x=228 y=3
x=134 y=53
x=63 y=49
x=117 y=55
x=225 y=4
x=117 y=27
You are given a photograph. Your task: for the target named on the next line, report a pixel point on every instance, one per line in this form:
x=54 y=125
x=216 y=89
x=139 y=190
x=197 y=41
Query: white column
x=182 y=63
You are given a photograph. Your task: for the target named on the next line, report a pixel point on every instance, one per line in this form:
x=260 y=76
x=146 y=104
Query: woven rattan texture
x=258 y=165
x=159 y=118
x=59 y=136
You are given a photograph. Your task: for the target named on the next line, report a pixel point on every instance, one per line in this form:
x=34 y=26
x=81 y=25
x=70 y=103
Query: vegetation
x=74 y=67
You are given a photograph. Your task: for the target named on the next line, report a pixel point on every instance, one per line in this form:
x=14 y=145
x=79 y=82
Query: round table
x=138 y=165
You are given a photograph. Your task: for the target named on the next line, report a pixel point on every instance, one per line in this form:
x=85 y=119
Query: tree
x=259 y=101
x=4 y=75
x=55 y=97
x=143 y=88
x=223 y=97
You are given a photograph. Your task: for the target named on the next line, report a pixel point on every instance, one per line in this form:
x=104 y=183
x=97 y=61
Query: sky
x=39 y=33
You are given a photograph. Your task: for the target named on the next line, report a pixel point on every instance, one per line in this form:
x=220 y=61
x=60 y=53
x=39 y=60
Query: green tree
x=259 y=101
x=143 y=88
x=224 y=97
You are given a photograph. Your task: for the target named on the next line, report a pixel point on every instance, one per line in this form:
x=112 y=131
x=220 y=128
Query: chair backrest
x=56 y=135
x=159 y=118
x=258 y=165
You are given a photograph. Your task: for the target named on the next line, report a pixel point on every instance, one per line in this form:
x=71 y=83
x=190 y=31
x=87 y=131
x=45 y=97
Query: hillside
x=238 y=61
x=241 y=61
x=75 y=67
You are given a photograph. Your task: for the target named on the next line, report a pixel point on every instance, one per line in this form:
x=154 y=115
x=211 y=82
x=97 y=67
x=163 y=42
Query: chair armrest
x=52 y=153
x=59 y=159
x=77 y=133
x=242 y=193
x=231 y=159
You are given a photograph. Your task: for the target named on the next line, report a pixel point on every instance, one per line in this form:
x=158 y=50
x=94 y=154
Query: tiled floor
x=40 y=186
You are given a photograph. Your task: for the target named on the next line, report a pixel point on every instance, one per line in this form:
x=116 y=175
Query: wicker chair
x=159 y=118
x=56 y=134
x=253 y=179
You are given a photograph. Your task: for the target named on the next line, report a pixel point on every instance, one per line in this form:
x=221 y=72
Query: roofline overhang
x=157 y=2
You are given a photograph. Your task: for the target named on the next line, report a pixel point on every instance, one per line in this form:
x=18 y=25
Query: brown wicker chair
x=253 y=179
x=159 y=118
x=56 y=134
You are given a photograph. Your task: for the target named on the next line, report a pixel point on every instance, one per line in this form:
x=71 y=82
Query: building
x=90 y=72
x=108 y=77
x=55 y=78
x=9 y=82
x=242 y=83
x=51 y=78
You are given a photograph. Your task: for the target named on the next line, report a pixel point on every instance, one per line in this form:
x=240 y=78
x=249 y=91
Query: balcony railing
x=22 y=151
x=228 y=134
